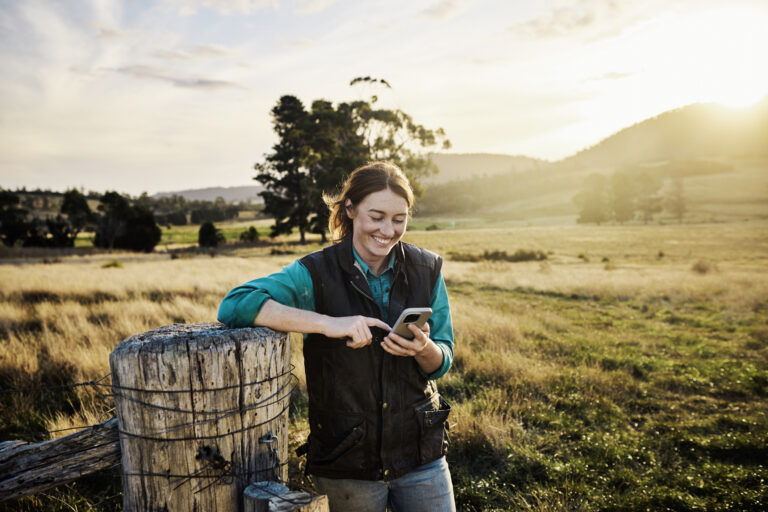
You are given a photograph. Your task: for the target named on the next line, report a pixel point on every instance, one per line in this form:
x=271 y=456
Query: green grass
x=649 y=408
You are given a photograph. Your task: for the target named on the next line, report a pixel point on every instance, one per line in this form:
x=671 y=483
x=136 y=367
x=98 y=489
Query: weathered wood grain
x=195 y=445
x=29 y=468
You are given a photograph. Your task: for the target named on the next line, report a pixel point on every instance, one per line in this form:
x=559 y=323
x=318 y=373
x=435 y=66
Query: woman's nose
x=387 y=229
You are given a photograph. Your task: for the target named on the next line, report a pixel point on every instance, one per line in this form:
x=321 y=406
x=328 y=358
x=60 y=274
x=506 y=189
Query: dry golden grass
x=545 y=351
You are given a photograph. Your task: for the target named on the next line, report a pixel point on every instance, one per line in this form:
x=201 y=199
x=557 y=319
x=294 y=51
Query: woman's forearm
x=285 y=318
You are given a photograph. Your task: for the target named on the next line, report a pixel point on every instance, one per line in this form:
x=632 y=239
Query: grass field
x=628 y=371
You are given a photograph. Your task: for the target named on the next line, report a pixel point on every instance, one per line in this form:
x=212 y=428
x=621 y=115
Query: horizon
x=138 y=96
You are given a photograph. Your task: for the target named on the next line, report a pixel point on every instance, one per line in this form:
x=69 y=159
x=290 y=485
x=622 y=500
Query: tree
x=675 y=200
x=78 y=214
x=285 y=173
x=622 y=196
x=209 y=236
x=593 y=200
x=13 y=219
x=318 y=148
x=122 y=226
x=648 y=183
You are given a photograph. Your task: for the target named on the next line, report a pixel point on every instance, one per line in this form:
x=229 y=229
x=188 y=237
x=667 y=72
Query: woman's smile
x=379 y=222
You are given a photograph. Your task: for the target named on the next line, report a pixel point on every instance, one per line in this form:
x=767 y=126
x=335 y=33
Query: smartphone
x=417 y=316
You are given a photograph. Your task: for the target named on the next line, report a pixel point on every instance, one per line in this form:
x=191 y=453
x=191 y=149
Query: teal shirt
x=292 y=286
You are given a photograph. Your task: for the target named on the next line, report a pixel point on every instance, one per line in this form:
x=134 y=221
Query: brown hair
x=370 y=178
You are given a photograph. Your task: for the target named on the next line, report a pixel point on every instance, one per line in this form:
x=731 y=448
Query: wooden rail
x=202 y=412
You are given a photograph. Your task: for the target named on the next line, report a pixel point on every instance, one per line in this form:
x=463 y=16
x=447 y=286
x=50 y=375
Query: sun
x=730 y=54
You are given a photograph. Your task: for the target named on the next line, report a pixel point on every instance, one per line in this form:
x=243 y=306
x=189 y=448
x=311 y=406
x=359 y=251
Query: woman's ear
x=349 y=209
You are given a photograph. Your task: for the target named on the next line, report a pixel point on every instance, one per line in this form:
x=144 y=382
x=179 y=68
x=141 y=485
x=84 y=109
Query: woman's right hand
x=356 y=328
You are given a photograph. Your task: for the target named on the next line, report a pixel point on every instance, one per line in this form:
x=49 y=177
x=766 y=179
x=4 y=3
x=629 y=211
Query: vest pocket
x=433 y=429
x=335 y=438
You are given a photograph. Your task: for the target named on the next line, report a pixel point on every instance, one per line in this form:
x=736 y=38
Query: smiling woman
x=378 y=427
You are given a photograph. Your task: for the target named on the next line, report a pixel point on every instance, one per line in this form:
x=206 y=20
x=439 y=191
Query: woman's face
x=378 y=223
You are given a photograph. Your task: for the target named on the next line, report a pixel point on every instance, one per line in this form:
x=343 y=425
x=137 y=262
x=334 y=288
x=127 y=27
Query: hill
x=477 y=165
x=701 y=130
x=248 y=193
x=721 y=152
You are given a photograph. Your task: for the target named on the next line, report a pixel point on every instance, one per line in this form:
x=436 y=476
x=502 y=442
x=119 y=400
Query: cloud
x=224 y=7
x=445 y=9
x=312 y=6
x=303 y=42
x=593 y=19
x=199 y=51
x=149 y=72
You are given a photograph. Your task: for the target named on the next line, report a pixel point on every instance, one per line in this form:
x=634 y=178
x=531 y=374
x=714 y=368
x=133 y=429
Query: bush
x=518 y=255
x=249 y=235
x=209 y=236
x=703 y=267
x=432 y=227
x=112 y=264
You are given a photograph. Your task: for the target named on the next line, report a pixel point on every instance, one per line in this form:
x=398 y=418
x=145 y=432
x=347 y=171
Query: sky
x=139 y=95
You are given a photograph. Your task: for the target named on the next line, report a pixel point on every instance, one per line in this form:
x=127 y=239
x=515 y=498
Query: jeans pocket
x=432 y=418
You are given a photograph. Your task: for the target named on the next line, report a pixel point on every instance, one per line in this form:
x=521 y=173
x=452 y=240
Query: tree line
x=117 y=223
x=638 y=192
x=318 y=146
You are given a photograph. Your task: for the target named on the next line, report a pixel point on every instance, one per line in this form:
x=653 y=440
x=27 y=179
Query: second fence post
x=202 y=412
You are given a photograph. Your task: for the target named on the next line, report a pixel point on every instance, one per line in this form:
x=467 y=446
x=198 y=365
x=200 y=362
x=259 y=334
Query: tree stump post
x=202 y=413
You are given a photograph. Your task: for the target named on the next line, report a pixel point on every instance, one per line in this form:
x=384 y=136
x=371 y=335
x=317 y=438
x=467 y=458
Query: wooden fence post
x=202 y=412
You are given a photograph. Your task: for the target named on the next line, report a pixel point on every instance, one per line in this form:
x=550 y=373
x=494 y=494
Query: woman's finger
x=375 y=322
x=394 y=349
x=418 y=334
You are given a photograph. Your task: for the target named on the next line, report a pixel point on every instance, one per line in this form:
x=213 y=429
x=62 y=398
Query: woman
x=378 y=430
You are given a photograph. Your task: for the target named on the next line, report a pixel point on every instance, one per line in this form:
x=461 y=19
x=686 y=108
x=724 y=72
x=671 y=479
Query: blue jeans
x=427 y=488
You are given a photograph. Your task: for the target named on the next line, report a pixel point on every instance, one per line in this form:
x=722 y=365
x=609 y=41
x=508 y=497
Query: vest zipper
x=352 y=282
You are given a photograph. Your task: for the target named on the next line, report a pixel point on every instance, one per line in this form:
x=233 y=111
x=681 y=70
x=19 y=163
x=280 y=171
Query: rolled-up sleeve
x=441 y=327
x=292 y=286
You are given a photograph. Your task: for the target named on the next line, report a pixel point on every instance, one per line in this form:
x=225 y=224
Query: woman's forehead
x=385 y=201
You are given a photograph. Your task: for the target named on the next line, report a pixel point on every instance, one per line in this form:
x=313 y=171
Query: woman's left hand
x=399 y=346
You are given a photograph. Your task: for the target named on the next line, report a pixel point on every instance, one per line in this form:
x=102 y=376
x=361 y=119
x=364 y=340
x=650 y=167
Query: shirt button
x=319 y=426
x=384 y=405
x=386 y=472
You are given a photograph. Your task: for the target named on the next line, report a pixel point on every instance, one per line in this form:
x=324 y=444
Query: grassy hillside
x=720 y=152
x=627 y=371
x=738 y=192
x=695 y=131
x=476 y=165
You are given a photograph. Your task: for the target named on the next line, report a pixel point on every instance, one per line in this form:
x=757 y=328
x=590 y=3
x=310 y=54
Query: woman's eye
x=377 y=219
x=398 y=221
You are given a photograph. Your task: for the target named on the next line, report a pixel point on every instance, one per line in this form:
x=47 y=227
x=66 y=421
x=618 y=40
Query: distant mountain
x=698 y=131
x=473 y=165
x=248 y=193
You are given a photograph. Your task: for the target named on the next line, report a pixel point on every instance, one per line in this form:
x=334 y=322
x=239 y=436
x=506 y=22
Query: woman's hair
x=365 y=180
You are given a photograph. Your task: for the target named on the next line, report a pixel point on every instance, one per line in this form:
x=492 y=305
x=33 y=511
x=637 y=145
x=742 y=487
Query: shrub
x=432 y=227
x=703 y=267
x=209 y=236
x=518 y=255
x=112 y=264
x=249 y=235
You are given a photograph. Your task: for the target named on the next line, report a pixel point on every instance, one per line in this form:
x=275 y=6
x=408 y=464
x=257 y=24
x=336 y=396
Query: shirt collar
x=365 y=269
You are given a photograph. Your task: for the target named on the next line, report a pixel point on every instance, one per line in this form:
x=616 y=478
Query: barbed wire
x=216 y=469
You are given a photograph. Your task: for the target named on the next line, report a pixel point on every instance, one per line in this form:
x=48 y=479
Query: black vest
x=372 y=415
